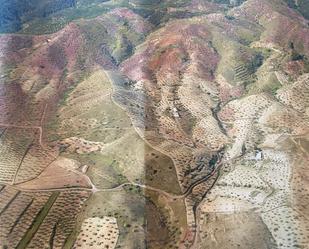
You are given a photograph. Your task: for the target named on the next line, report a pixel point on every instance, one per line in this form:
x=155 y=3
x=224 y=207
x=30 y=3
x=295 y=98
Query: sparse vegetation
x=158 y=124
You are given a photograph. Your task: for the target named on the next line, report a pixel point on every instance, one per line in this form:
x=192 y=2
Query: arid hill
x=158 y=124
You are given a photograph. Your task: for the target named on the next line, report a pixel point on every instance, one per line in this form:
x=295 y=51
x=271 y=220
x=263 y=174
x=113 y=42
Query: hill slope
x=176 y=124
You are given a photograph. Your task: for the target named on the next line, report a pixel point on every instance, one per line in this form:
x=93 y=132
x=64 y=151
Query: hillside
x=154 y=124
